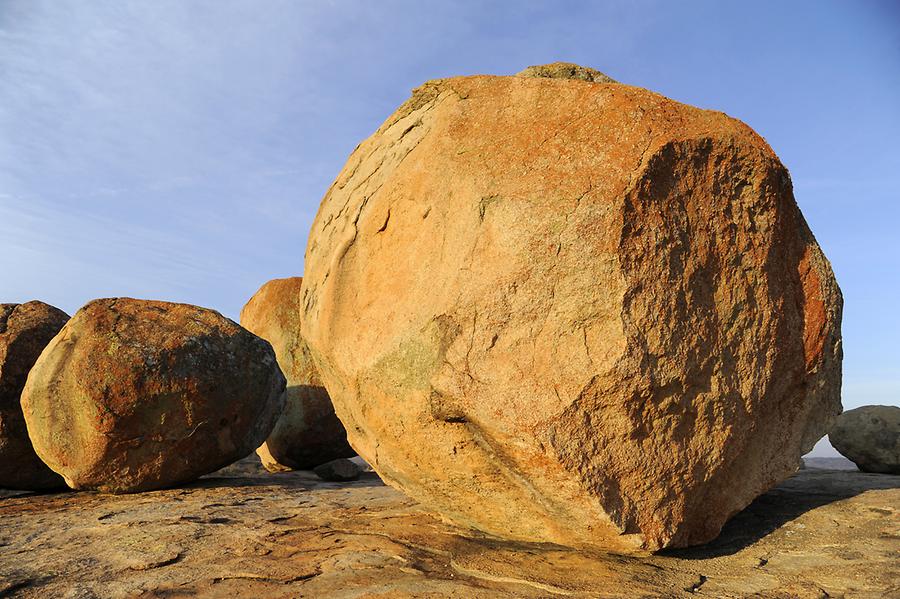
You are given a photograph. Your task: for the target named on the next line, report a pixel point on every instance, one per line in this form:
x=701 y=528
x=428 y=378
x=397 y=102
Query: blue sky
x=178 y=150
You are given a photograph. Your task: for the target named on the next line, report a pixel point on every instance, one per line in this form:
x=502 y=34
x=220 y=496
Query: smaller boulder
x=134 y=395
x=869 y=437
x=25 y=329
x=340 y=470
x=308 y=432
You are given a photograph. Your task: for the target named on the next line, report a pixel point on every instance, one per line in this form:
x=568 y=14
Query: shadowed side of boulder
x=25 y=329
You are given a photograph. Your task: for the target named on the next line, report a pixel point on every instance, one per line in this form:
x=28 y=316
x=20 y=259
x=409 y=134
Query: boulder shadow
x=805 y=491
x=249 y=472
x=300 y=479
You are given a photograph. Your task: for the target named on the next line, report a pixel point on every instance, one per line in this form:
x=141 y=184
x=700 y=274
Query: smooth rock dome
x=133 y=395
x=575 y=312
x=308 y=433
x=25 y=329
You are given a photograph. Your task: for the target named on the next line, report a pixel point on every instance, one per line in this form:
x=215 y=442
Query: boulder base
x=574 y=312
x=133 y=395
x=25 y=329
x=308 y=432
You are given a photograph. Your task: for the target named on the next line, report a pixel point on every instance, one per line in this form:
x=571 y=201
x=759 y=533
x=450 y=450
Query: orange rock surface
x=569 y=311
x=134 y=395
x=307 y=433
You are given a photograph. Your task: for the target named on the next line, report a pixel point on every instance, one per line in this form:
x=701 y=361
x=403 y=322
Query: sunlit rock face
x=573 y=311
x=25 y=329
x=134 y=395
x=308 y=433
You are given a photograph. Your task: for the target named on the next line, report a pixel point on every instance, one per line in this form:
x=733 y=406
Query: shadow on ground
x=807 y=490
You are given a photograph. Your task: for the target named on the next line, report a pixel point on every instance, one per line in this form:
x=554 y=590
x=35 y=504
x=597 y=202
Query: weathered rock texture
x=134 y=395
x=870 y=437
x=308 y=432
x=566 y=70
x=245 y=533
x=564 y=311
x=24 y=331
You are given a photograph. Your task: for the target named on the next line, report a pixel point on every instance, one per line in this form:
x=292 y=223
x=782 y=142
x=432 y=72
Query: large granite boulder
x=869 y=436
x=308 y=432
x=577 y=312
x=133 y=395
x=25 y=329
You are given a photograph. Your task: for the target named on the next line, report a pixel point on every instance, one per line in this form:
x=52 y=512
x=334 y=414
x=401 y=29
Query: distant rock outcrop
x=25 y=329
x=307 y=433
x=133 y=395
x=869 y=436
x=572 y=312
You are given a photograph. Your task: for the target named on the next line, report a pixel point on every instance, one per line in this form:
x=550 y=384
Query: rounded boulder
x=869 y=437
x=134 y=395
x=25 y=329
x=308 y=433
x=572 y=311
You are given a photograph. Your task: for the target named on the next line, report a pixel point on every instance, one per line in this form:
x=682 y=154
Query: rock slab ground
x=245 y=533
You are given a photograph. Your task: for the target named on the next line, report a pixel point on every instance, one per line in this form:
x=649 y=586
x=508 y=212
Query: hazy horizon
x=178 y=151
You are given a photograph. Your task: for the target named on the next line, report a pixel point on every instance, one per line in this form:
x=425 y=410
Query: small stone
x=339 y=470
x=25 y=329
x=134 y=395
x=869 y=436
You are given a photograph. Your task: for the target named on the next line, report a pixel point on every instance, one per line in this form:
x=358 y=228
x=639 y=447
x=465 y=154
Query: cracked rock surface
x=569 y=311
x=133 y=395
x=243 y=532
